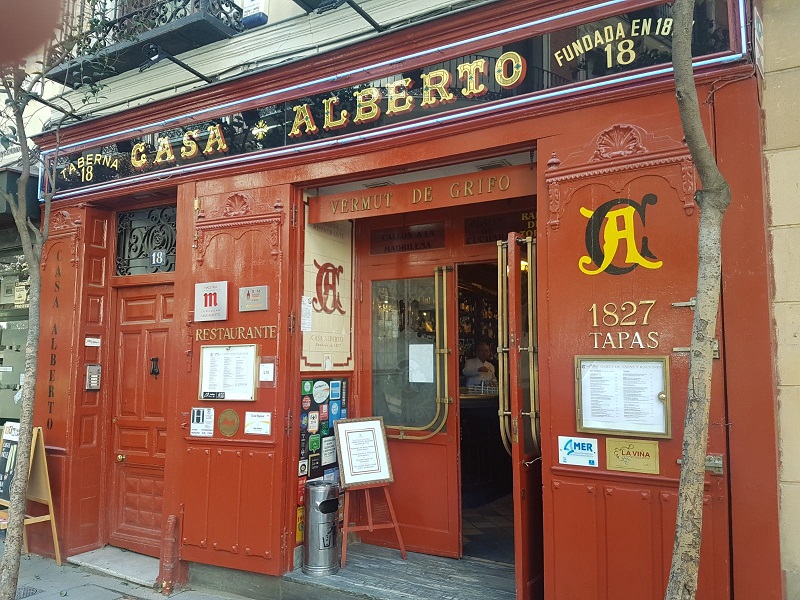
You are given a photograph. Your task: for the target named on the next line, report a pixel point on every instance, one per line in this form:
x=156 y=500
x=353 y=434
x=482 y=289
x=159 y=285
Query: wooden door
x=619 y=266
x=517 y=335
x=408 y=363
x=138 y=425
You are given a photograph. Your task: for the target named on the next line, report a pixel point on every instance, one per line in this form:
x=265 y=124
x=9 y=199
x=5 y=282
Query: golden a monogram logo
x=612 y=223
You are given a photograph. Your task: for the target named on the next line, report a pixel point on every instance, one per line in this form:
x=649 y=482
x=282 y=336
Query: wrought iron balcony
x=112 y=42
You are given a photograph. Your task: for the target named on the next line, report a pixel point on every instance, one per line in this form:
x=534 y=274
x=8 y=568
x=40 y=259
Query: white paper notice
x=363 y=448
x=328 y=450
x=266 y=372
x=258 y=423
x=202 y=422
x=305 y=314
x=420 y=363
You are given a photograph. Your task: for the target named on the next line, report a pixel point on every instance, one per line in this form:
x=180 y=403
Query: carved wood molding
x=64 y=226
x=238 y=210
x=236 y=228
x=235 y=205
x=619 y=154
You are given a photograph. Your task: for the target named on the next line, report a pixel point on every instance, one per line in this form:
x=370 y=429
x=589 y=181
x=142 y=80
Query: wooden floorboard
x=381 y=574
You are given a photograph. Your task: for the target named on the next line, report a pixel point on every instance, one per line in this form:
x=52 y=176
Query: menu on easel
x=364 y=465
x=363 y=454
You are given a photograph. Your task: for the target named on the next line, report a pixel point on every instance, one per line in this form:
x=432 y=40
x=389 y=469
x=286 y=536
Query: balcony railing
x=111 y=42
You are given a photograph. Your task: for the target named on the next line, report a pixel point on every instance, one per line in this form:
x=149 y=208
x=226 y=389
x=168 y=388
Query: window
x=146 y=241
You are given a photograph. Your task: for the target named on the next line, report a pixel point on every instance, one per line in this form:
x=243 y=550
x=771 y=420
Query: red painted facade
x=604 y=533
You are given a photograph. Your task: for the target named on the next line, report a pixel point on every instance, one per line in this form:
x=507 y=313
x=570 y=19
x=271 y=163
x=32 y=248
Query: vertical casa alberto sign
x=606 y=47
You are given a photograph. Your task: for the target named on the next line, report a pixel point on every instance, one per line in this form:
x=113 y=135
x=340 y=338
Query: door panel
x=138 y=425
x=411 y=368
x=519 y=372
x=627 y=223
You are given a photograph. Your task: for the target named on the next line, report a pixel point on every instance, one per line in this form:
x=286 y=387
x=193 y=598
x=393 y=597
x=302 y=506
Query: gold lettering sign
x=617 y=42
x=254 y=332
x=633 y=456
x=497 y=184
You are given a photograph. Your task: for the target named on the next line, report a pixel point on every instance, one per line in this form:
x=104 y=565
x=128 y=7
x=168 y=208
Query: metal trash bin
x=321 y=548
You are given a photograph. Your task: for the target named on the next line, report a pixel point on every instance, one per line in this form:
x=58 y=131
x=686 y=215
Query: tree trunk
x=9 y=567
x=713 y=199
x=32 y=241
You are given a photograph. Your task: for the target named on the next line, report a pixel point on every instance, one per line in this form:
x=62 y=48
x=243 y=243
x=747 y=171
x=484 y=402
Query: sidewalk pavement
x=41 y=579
x=115 y=574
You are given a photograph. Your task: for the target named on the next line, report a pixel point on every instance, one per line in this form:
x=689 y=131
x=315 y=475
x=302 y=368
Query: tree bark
x=713 y=199
x=32 y=240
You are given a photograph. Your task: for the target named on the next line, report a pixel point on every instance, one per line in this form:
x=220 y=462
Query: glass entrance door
x=409 y=350
x=410 y=362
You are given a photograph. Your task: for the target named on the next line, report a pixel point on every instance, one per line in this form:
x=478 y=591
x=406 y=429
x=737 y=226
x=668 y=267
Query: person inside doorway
x=478 y=370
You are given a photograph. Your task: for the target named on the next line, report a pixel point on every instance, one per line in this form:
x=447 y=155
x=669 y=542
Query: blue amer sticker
x=336 y=390
x=578 y=451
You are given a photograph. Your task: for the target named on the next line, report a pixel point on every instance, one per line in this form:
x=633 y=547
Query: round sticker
x=228 y=422
x=306 y=402
x=321 y=392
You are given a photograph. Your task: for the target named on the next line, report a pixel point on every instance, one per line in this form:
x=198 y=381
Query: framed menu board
x=363 y=453
x=623 y=395
x=228 y=372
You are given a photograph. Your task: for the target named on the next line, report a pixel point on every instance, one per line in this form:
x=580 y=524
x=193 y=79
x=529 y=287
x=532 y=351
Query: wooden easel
x=371 y=525
x=38 y=491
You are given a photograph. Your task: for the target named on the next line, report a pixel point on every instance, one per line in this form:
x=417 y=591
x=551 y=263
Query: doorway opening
x=486 y=476
x=464 y=455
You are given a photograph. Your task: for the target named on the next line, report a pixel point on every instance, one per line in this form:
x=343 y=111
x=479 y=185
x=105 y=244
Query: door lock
x=154 y=367
x=120 y=457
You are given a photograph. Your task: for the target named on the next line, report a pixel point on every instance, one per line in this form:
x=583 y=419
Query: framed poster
x=228 y=372
x=363 y=453
x=8 y=459
x=624 y=395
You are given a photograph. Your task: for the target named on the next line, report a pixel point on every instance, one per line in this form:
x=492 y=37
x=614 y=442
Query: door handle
x=120 y=457
x=154 y=367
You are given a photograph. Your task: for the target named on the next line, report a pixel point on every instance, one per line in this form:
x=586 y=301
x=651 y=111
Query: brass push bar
x=503 y=400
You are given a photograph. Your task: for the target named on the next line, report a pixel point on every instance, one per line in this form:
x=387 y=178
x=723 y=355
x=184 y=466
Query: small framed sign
x=362 y=452
x=623 y=395
x=211 y=301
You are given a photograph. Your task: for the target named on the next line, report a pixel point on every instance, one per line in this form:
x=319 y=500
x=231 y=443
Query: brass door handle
x=120 y=457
